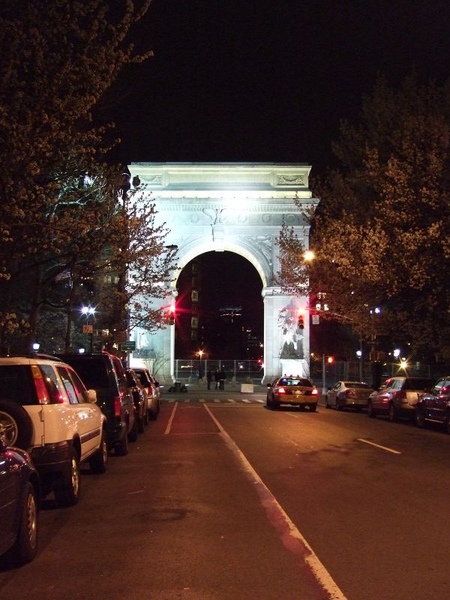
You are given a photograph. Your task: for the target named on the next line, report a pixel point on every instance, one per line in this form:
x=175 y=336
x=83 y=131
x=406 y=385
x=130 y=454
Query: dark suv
x=105 y=373
x=434 y=404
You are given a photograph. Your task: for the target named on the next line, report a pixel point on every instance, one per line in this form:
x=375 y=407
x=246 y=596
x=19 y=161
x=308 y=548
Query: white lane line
x=171 y=418
x=378 y=446
x=246 y=401
x=289 y=534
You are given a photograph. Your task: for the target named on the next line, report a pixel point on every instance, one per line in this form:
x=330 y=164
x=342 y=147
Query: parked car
x=295 y=391
x=434 y=404
x=19 y=502
x=348 y=394
x=105 y=373
x=397 y=397
x=153 y=389
x=140 y=399
x=46 y=410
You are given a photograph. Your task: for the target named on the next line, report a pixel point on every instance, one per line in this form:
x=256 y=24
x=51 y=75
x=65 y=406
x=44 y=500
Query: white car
x=348 y=394
x=46 y=410
x=151 y=386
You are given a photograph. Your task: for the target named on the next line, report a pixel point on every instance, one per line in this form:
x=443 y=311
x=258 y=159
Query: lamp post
x=88 y=311
x=200 y=370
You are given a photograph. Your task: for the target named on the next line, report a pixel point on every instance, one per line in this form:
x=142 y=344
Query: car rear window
x=143 y=378
x=16 y=383
x=294 y=382
x=418 y=384
x=91 y=370
x=356 y=384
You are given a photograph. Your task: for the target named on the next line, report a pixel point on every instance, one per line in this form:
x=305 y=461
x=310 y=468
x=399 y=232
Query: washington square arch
x=239 y=208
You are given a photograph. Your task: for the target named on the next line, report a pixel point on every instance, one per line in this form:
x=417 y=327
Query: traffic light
x=330 y=360
x=171 y=314
x=301 y=320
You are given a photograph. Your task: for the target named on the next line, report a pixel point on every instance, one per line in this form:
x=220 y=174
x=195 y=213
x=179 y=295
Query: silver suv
x=397 y=397
x=46 y=410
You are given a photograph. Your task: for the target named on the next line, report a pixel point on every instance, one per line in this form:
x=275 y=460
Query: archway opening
x=220 y=309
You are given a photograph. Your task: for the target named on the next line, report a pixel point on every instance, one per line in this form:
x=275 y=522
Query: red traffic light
x=170 y=314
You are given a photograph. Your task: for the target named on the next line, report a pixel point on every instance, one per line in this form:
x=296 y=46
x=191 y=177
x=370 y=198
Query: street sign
x=315 y=319
x=128 y=346
x=88 y=329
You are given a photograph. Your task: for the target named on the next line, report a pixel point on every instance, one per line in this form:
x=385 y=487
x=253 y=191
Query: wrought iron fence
x=322 y=373
x=236 y=371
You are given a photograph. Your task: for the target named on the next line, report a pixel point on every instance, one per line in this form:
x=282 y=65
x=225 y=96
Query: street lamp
x=308 y=255
x=88 y=311
x=200 y=370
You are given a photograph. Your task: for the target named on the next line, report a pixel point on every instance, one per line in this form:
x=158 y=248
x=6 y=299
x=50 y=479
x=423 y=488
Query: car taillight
x=315 y=392
x=39 y=384
x=350 y=393
x=117 y=406
x=281 y=390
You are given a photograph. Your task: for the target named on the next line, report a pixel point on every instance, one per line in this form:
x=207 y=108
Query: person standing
x=217 y=378
x=209 y=378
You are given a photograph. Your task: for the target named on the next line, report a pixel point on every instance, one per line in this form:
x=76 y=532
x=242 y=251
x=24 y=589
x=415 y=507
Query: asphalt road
x=222 y=499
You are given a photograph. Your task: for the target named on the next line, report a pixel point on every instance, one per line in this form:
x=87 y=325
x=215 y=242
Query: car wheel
x=392 y=413
x=419 y=418
x=313 y=407
x=338 y=406
x=141 y=424
x=100 y=458
x=26 y=545
x=146 y=415
x=15 y=425
x=327 y=403
x=275 y=405
x=67 y=489
x=121 y=448
x=133 y=433
x=153 y=414
x=370 y=412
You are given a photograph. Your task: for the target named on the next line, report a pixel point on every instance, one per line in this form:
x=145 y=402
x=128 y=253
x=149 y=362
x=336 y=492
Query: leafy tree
x=380 y=232
x=58 y=60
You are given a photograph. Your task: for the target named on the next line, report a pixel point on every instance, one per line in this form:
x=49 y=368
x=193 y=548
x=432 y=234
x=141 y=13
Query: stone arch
x=240 y=208
x=186 y=254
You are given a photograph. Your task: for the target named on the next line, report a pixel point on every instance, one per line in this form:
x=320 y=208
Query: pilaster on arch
x=240 y=208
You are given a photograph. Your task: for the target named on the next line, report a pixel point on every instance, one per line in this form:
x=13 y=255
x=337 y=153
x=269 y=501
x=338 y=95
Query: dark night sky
x=269 y=80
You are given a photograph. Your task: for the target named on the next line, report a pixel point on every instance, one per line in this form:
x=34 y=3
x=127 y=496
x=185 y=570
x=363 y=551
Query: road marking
x=378 y=446
x=171 y=418
x=289 y=534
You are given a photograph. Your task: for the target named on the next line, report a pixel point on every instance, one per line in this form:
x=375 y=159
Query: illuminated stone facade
x=240 y=208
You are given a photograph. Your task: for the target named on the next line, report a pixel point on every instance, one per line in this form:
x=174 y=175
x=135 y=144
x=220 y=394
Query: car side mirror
x=92 y=396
